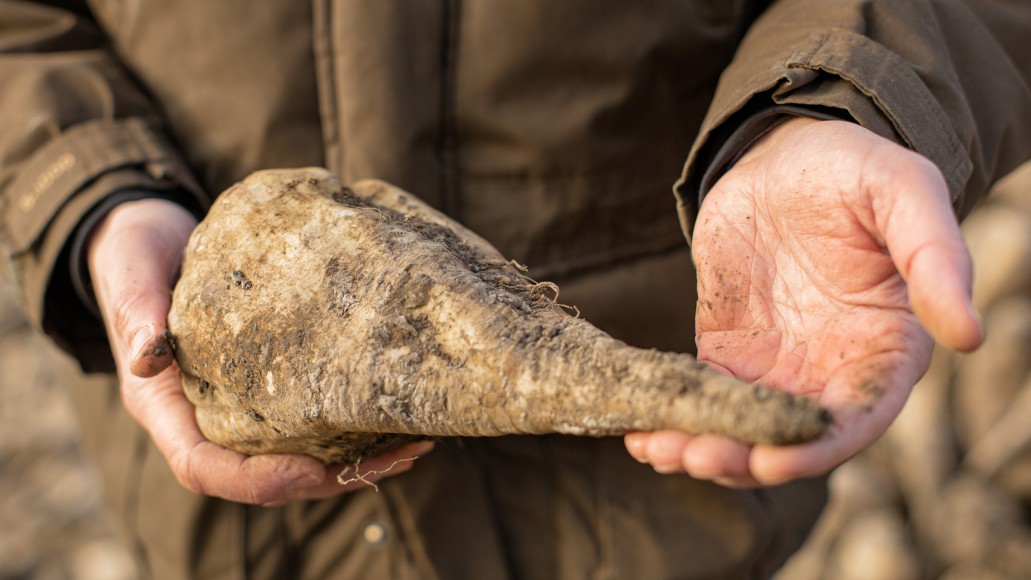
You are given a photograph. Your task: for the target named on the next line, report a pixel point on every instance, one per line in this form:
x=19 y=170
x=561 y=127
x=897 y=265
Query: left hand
x=134 y=257
x=828 y=258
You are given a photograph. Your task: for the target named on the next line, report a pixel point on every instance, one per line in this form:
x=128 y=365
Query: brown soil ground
x=52 y=524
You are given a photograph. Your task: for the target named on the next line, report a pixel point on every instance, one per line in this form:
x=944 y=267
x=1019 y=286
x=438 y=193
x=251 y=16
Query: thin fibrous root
x=359 y=476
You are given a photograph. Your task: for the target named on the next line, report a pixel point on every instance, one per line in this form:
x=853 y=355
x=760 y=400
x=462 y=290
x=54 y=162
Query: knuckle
x=186 y=474
x=256 y=495
x=261 y=476
x=908 y=164
x=929 y=173
x=126 y=304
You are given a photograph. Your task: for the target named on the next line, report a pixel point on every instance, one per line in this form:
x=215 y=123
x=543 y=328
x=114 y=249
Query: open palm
x=824 y=257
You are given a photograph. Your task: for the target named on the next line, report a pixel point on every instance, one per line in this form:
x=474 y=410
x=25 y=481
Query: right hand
x=828 y=258
x=134 y=256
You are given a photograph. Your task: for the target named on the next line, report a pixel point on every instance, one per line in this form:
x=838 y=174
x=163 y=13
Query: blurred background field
x=946 y=493
x=52 y=524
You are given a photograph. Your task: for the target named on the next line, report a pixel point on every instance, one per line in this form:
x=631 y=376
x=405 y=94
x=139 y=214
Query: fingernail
x=976 y=316
x=304 y=482
x=151 y=354
x=420 y=449
x=669 y=468
x=635 y=446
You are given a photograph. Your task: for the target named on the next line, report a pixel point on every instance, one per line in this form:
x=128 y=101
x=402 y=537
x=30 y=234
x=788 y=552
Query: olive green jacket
x=554 y=128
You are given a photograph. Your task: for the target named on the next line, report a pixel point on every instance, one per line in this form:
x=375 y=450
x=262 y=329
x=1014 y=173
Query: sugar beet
x=338 y=322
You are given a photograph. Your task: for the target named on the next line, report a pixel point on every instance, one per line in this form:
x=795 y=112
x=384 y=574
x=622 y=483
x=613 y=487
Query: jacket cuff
x=56 y=188
x=69 y=163
x=840 y=73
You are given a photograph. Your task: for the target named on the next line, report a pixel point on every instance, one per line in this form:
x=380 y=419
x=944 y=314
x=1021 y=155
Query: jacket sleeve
x=76 y=131
x=946 y=78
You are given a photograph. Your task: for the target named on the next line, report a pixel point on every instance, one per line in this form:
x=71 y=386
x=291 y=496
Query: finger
x=663 y=450
x=152 y=352
x=939 y=292
x=774 y=465
x=367 y=474
x=718 y=459
x=204 y=467
x=132 y=291
x=270 y=480
x=636 y=444
x=134 y=255
x=864 y=399
x=924 y=240
x=135 y=301
x=709 y=457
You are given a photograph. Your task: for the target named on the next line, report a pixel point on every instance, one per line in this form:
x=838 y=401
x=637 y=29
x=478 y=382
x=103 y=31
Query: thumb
x=150 y=344
x=134 y=255
x=924 y=240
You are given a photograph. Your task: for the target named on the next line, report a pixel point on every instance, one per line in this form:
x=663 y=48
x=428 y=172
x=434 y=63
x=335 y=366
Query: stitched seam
x=322 y=47
x=448 y=143
x=956 y=172
x=123 y=145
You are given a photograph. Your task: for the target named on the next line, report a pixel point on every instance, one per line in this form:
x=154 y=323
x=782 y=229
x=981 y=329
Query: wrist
x=784 y=130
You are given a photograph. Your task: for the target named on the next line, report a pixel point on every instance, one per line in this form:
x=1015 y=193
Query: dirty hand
x=825 y=256
x=134 y=257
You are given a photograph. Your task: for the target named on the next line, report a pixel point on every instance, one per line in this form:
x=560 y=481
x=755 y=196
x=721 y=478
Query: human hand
x=134 y=257
x=824 y=258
